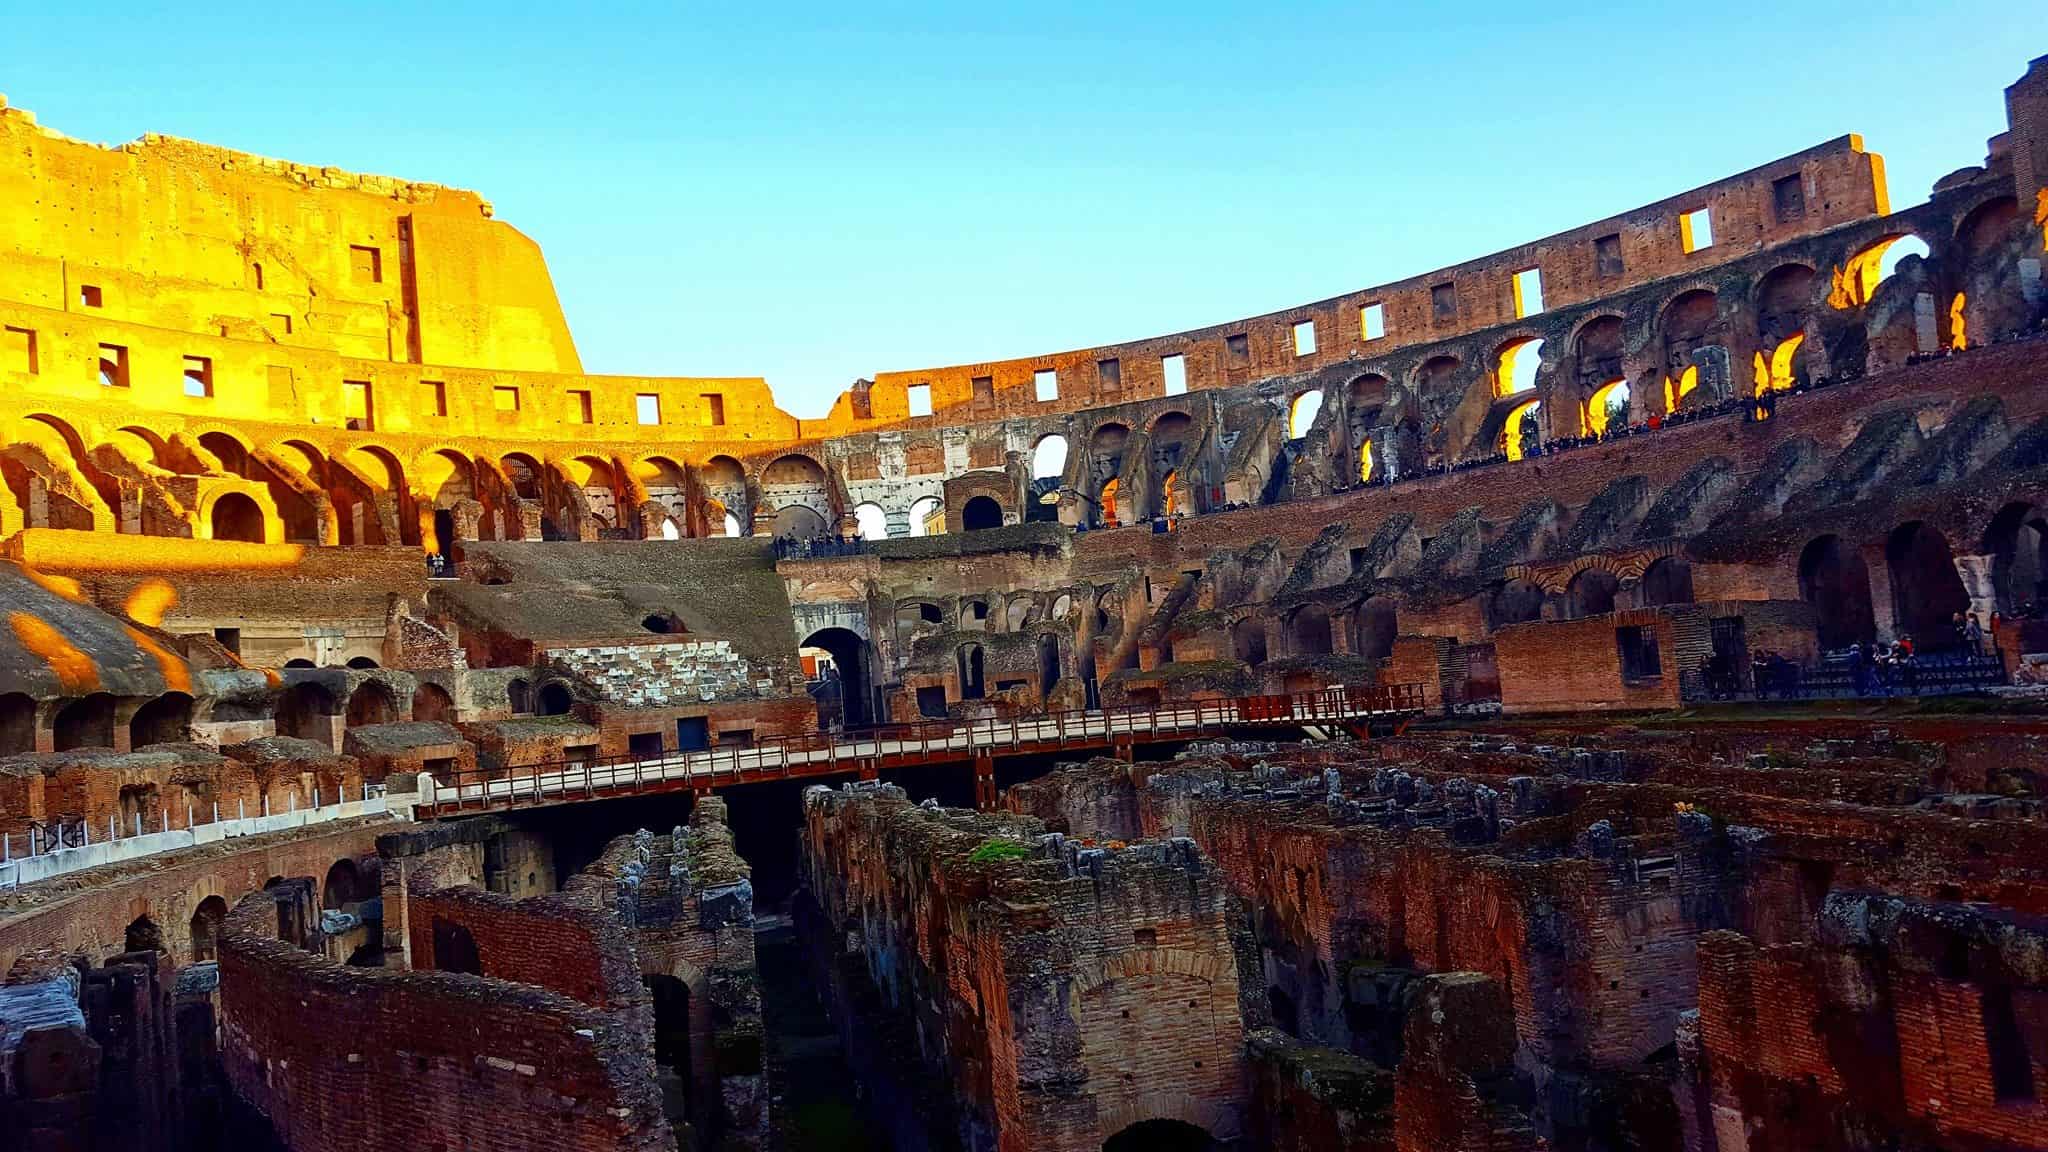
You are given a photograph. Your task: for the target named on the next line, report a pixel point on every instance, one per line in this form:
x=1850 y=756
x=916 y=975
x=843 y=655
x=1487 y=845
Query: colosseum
x=1589 y=697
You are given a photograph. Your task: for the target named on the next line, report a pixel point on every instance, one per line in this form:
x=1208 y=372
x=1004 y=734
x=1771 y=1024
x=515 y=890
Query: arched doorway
x=205 y=928
x=849 y=652
x=1591 y=593
x=1048 y=663
x=2018 y=543
x=1374 y=627
x=432 y=702
x=799 y=522
x=87 y=723
x=1926 y=590
x=143 y=935
x=343 y=885
x=455 y=949
x=672 y=1043
x=164 y=720
x=971 y=668
x=1248 y=641
x=1668 y=581
x=980 y=512
x=1309 y=629
x=555 y=699
x=1834 y=579
x=371 y=704
x=304 y=710
x=17 y=723
x=237 y=517
x=444 y=534
x=1160 y=1136
x=1517 y=602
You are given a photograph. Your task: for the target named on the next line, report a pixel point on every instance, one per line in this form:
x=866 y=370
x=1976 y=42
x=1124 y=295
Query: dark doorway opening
x=849 y=652
x=693 y=734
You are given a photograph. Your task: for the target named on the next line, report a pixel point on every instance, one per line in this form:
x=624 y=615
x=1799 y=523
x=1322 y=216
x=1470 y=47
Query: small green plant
x=998 y=849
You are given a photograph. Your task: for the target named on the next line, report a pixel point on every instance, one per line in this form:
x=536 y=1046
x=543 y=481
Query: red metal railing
x=891 y=745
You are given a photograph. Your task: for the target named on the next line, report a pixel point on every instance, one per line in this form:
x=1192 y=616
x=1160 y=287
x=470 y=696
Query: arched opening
x=1049 y=458
x=1374 y=626
x=1105 y=465
x=849 y=652
x=1302 y=413
x=1927 y=593
x=969 y=659
x=2018 y=543
x=1517 y=602
x=873 y=522
x=371 y=703
x=523 y=473
x=1860 y=278
x=664 y=624
x=455 y=949
x=1834 y=579
x=164 y=720
x=1515 y=366
x=444 y=535
x=236 y=517
x=519 y=696
x=205 y=928
x=1668 y=581
x=143 y=935
x=1248 y=641
x=555 y=699
x=1160 y=1136
x=361 y=663
x=431 y=702
x=671 y=999
x=1309 y=630
x=343 y=886
x=1590 y=593
x=1522 y=431
x=669 y=531
x=926 y=517
x=1106 y=512
x=799 y=522
x=86 y=723
x=1607 y=407
x=981 y=512
x=17 y=723
x=305 y=711
x=1688 y=326
x=1597 y=351
x=1048 y=663
x=233 y=457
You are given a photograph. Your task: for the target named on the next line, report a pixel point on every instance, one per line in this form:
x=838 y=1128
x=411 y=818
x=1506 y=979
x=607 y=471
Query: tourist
x=1973 y=633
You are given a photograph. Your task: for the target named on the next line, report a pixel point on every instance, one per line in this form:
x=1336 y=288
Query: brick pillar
x=2026 y=111
x=985 y=783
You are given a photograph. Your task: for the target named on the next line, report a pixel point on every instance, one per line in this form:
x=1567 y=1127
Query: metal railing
x=921 y=742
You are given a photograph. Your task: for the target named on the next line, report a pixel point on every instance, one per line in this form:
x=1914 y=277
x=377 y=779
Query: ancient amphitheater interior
x=1589 y=697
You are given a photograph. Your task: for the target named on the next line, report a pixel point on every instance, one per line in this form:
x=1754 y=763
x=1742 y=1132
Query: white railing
x=24 y=860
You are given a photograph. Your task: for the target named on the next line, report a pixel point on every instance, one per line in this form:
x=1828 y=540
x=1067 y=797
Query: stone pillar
x=1977 y=581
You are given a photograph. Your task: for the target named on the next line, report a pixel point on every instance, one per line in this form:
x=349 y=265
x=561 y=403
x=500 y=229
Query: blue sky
x=818 y=194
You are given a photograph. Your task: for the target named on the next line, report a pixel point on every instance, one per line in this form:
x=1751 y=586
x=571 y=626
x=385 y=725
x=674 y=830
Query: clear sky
x=817 y=194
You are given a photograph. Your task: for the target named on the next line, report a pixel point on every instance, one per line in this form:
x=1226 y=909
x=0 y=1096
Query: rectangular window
x=437 y=397
x=365 y=264
x=505 y=398
x=1696 y=230
x=579 y=406
x=1110 y=373
x=1238 y=348
x=1305 y=338
x=113 y=366
x=1638 y=649
x=1372 y=321
x=230 y=639
x=920 y=399
x=89 y=296
x=1528 y=292
x=1443 y=303
x=358 y=407
x=18 y=350
x=1788 y=198
x=1176 y=370
x=198 y=376
x=647 y=408
x=1607 y=256
x=281 y=323
x=714 y=410
x=984 y=388
x=1045 y=383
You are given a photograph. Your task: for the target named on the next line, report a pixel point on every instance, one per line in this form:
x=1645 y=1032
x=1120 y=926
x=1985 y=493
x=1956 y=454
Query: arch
x=371 y=703
x=669 y=531
x=1160 y=1135
x=555 y=699
x=378 y=465
x=232 y=454
x=1927 y=592
x=1687 y=325
x=1048 y=663
x=1061 y=605
x=86 y=723
x=2017 y=541
x=980 y=512
x=1667 y=581
x=1522 y=423
x=205 y=928
x=874 y=523
x=1985 y=226
x=303 y=457
x=1858 y=279
x=1834 y=579
x=143 y=935
x=970 y=664
x=922 y=522
x=519 y=696
x=664 y=624
x=164 y=720
x=1105 y=510
x=455 y=949
x=1302 y=413
x=1783 y=298
x=1105 y=466
x=67 y=437
x=1515 y=364
x=236 y=517
x=1434 y=375
x=305 y=710
x=523 y=473
x=446 y=477
x=1374 y=626
x=1590 y=593
x=361 y=663
x=792 y=469
x=1049 y=456
x=1309 y=631
x=798 y=521
x=432 y=702
x=343 y=885
x=1515 y=602
x=672 y=1040
x=850 y=658
x=1017 y=612
x=1607 y=407
x=17 y=723
x=1597 y=349
x=1248 y=640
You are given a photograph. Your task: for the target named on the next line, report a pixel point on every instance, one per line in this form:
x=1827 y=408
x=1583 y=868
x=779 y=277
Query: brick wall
x=656 y=674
